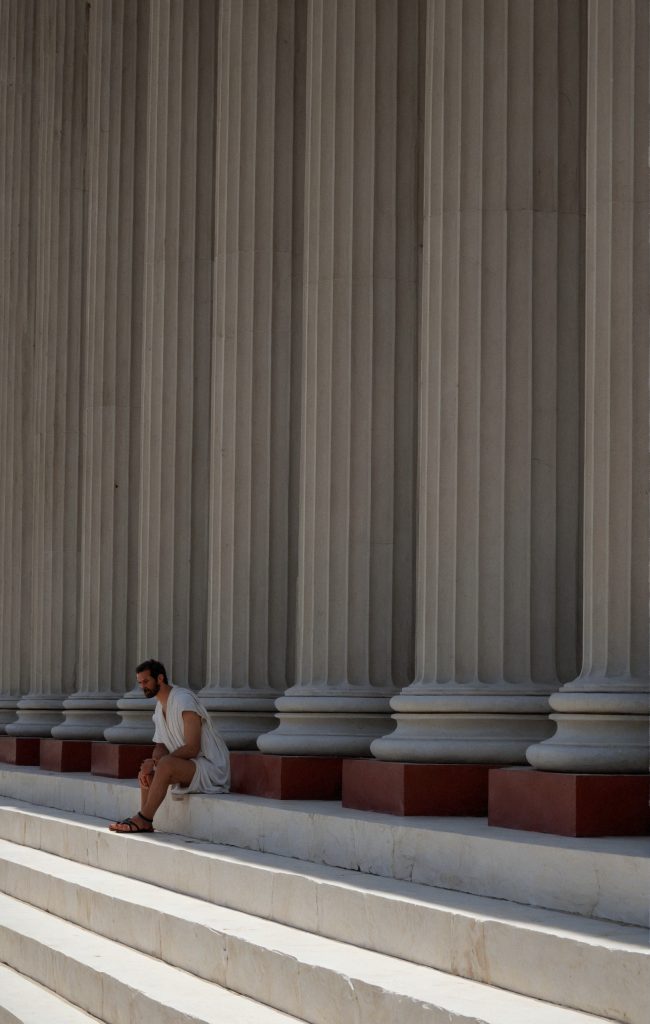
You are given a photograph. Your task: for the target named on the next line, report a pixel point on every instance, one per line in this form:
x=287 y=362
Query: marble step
x=598 y=967
x=113 y=982
x=118 y=983
x=602 y=878
x=23 y=1001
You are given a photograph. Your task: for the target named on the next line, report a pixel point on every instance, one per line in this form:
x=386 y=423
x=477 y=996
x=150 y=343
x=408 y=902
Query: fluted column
x=602 y=716
x=499 y=356
x=12 y=153
x=251 y=366
x=116 y=49
x=170 y=606
x=359 y=242
x=58 y=109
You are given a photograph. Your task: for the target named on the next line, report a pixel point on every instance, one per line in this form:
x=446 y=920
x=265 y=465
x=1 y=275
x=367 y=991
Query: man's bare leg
x=169 y=770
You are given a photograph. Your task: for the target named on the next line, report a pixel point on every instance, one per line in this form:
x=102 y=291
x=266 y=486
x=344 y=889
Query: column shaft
x=602 y=716
x=110 y=385
x=171 y=552
x=249 y=491
x=59 y=115
x=491 y=588
x=358 y=294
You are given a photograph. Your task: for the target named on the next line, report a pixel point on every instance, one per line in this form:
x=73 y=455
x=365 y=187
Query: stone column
x=59 y=42
x=13 y=88
x=602 y=715
x=171 y=554
x=116 y=49
x=499 y=357
x=359 y=289
x=251 y=365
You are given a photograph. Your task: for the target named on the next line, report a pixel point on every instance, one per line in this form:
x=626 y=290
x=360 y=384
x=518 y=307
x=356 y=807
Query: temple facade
x=324 y=374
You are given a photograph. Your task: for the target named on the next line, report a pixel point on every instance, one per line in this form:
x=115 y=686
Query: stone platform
x=272 y=912
x=607 y=877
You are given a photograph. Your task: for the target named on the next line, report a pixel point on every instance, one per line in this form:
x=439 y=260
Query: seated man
x=188 y=755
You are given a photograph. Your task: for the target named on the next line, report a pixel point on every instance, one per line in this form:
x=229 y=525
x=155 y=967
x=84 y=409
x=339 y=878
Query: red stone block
x=284 y=777
x=396 y=787
x=566 y=804
x=119 y=760
x=19 y=749
x=65 y=755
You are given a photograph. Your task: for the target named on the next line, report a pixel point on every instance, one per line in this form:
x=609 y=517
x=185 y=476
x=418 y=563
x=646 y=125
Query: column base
x=594 y=744
x=392 y=787
x=240 y=716
x=36 y=717
x=65 y=755
x=240 y=730
x=285 y=778
x=86 y=718
x=569 y=804
x=461 y=738
x=19 y=750
x=119 y=760
x=7 y=713
x=136 y=725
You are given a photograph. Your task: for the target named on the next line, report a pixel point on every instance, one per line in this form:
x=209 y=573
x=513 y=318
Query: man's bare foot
x=138 y=823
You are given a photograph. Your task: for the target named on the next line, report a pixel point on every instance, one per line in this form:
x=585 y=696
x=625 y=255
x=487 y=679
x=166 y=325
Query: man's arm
x=159 y=751
x=192 y=732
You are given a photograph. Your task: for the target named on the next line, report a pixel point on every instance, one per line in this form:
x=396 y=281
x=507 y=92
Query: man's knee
x=165 y=765
x=173 y=769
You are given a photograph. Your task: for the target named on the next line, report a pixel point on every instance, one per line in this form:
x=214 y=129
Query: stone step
x=603 y=878
x=118 y=983
x=23 y=1001
x=115 y=983
x=556 y=957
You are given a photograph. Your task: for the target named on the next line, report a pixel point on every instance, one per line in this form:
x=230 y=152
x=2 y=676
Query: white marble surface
x=23 y=1001
x=119 y=984
x=551 y=956
x=603 y=878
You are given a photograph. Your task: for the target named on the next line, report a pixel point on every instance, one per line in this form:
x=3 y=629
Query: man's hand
x=145 y=775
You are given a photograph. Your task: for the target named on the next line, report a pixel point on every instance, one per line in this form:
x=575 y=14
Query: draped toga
x=212 y=773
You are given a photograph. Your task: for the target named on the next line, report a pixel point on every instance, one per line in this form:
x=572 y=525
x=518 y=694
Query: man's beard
x=150 y=692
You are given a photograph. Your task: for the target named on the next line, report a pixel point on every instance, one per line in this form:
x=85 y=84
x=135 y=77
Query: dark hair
x=154 y=668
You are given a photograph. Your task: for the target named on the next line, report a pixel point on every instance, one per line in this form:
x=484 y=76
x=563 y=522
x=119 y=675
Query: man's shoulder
x=185 y=699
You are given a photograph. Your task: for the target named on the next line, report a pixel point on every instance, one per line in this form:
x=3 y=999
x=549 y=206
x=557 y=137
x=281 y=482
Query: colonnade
x=324 y=373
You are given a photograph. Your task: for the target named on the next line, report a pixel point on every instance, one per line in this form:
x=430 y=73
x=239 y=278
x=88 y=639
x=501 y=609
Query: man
x=188 y=755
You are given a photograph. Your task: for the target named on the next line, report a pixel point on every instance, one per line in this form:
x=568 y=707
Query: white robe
x=212 y=773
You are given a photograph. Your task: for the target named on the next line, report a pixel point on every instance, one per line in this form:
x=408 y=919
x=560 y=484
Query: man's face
x=150 y=686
